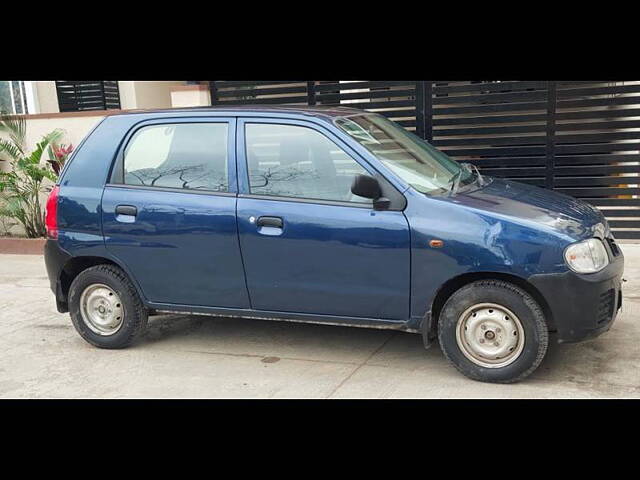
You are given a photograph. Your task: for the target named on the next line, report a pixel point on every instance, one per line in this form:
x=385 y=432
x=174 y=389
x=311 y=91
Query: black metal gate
x=580 y=138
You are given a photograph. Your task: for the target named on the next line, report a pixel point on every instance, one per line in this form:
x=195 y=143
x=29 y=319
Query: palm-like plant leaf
x=50 y=138
x=9 y=148
x=16 y=128
x=13 y=205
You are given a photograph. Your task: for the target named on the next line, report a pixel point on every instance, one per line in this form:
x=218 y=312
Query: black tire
x=135 y=314
x=518 y=301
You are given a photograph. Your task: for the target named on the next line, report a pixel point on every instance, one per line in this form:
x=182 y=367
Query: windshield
x=425 y=168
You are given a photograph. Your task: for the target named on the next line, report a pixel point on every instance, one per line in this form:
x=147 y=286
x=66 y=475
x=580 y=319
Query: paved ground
x=41 y=356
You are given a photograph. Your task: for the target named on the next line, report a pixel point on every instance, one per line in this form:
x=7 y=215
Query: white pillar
x=190 y=96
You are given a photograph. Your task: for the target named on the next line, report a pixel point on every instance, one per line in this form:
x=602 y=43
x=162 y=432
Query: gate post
x=424 y=110
x=420 y=109
x=213 y=91
x=428 y=111
x=552 y=95
x=311 y=93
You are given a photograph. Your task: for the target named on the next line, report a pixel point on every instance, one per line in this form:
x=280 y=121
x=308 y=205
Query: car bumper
x=583 y=306
x=54 y=259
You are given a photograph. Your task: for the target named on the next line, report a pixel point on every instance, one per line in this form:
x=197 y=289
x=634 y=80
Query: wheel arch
x=76 y=265
x=454 y=284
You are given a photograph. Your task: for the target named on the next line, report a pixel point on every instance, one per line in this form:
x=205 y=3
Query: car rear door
x=169 y=212
x=308 y=244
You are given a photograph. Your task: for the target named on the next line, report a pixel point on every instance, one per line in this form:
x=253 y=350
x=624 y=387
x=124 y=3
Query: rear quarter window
x=191 y=156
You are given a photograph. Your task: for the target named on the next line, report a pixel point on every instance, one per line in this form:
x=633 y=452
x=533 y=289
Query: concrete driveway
x=41 y=356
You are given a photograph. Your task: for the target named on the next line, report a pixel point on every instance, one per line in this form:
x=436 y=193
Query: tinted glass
x=182 y=155
x=422 y=166
x=293 y=161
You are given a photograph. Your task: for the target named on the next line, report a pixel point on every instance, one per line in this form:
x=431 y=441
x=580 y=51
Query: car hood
x=534 y=206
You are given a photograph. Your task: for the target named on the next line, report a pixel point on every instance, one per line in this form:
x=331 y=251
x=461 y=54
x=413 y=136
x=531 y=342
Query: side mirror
x=368 y=187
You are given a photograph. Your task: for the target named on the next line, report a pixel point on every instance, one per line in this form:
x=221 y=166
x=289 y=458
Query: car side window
x=299 y=162
x=191 y=156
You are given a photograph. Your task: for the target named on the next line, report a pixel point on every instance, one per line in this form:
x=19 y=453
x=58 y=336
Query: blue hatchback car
x=325 y=215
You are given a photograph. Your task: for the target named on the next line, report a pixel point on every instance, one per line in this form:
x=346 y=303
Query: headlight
x=587 y=256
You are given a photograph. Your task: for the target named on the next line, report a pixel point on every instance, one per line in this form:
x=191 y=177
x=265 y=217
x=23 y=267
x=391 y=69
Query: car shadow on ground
x=581 y=363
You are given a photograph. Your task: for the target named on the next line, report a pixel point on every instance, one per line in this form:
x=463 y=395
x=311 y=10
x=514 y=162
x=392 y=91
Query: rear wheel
x=493 y=331
x=105 y=307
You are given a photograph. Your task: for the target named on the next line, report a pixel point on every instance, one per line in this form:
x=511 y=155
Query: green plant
x=22 y=186
x=5 y=223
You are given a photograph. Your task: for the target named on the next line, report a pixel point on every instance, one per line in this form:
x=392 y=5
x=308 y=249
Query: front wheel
x=493 y=331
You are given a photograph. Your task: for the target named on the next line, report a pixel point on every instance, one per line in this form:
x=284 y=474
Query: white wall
x=141 y=94
x=46 y=97
x=155 y=94
x=190 y=96
x=74 y=127
x=127 y=95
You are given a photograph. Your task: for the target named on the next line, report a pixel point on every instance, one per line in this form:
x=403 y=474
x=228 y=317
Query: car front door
x=308 y=244
x=169 y=212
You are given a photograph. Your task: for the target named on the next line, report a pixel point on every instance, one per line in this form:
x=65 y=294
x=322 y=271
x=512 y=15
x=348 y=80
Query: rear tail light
x=51 y=213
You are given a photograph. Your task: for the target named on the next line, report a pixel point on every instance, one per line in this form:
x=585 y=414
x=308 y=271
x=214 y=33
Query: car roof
x=321 y=111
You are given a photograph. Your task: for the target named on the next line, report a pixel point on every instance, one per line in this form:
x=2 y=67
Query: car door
x=169 y=212
x=308 y=244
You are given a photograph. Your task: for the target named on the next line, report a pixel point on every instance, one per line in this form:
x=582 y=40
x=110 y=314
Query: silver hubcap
x=490 y=335
x=101 y=309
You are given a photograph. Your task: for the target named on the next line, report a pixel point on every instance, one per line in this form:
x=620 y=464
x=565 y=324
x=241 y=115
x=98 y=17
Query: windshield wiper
x=455 y=179
x=469 y=166
x=455 y=182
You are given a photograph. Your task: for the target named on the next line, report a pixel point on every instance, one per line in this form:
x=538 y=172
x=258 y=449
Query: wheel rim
x=101 y=309
x=490 y=335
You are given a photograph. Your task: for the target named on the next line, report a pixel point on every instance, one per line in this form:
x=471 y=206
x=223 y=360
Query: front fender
x=473 y=242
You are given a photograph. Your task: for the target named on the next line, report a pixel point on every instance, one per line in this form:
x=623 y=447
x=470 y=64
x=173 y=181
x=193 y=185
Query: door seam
x=236 y=157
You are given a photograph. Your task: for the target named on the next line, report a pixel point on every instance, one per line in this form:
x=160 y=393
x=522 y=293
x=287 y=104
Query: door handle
x=126 y=210
x=275 y=222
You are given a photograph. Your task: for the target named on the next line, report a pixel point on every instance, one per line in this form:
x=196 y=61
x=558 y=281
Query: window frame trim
x=116 y=176
x=244 y=186
x=127 y=186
